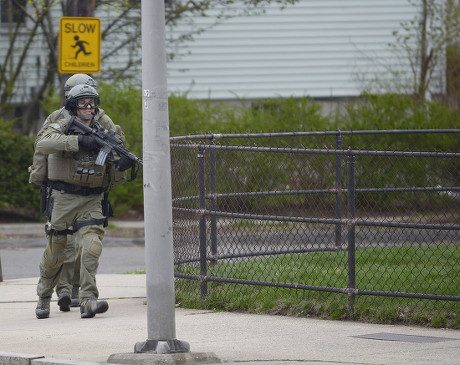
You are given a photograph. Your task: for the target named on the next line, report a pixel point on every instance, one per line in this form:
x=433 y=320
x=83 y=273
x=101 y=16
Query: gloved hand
x=88 y=142
x=124 y=163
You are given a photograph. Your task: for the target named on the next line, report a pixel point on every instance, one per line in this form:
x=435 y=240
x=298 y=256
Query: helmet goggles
x=84 y=102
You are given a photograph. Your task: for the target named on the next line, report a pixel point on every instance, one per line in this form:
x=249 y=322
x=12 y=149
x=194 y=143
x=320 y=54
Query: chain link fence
x=342 y=219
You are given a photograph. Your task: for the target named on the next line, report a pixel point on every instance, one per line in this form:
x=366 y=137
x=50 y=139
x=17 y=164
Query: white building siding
x=314 y=48
x=35 y=64
x=26 y=80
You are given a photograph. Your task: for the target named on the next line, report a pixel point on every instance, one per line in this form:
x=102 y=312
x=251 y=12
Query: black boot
x=91 y=307
x=43 y=308
x=64 y=301
x=75 y=302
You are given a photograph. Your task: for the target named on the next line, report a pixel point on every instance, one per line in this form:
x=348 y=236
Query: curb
x=12 y=358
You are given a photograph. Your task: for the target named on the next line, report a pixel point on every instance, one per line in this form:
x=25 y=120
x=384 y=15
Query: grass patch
x=135 y=272
x=431 y=269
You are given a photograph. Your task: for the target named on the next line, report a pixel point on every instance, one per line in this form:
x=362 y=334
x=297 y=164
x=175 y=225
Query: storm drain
x=405 y=338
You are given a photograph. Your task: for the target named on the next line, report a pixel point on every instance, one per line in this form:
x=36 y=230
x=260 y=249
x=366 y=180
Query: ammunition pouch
x=78 y=169
x=117 y=177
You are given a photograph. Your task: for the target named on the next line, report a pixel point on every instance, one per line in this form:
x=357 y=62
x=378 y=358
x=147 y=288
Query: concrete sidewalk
x=232 y=337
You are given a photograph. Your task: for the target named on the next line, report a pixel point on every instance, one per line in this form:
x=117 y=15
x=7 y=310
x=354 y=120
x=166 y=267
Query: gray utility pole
x=159 y=260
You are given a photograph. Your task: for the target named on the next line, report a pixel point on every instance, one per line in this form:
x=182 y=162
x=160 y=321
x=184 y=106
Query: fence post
x=1 y=272
x=351 y=232
x=338 y=190
x=202 y=202
x=213 y=190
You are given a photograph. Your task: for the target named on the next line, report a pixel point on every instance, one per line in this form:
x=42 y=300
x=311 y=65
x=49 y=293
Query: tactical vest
x=78 y=173
x=76 y=168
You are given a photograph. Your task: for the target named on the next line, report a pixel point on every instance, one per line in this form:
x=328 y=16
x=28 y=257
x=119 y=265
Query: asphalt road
x=20 y=257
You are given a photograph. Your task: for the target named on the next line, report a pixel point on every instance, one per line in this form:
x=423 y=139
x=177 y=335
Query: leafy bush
x=379 y=112
x=402 y=112
x=123 y=103
x=282 y=114
x=16 y=152
x=188 y=116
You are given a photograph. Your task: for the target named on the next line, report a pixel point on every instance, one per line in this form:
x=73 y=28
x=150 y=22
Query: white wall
x=316 y=48
x=35 y=65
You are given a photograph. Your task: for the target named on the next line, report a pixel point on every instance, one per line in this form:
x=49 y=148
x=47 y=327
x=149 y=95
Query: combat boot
x=75 y=302
x=64 y=301
x=43 y=307
x=92 y=307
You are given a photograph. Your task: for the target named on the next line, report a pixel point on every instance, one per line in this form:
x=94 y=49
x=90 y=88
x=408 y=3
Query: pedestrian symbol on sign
x=81 y=46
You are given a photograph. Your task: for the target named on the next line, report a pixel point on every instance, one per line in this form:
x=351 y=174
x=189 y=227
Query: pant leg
x=64 y=211
x=65 y=282
x=90 y=240
x=76 y=271
x=50 y=265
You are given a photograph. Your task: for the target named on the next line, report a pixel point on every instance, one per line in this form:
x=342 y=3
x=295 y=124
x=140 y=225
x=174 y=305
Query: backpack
x=39 y=169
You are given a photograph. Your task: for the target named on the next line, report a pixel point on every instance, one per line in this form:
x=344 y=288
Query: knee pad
x=92 y=249
x=92 y=244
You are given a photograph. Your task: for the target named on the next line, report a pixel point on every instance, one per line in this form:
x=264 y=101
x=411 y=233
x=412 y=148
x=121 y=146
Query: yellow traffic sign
x=79 y=45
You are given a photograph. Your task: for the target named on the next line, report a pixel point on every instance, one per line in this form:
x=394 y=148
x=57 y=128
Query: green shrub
x=282 y=114
x=187 y=116
x=388 y=112
x=50 y=103
x=123 y=103
x=16 y=151
x=401 y=112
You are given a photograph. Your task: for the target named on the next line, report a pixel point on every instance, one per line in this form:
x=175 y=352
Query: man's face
x=86 y=108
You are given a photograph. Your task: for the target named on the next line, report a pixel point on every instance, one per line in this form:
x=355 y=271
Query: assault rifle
x=108 y=142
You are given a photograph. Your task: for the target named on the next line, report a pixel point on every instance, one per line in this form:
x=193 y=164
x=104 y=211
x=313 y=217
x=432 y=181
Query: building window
x=11 y=11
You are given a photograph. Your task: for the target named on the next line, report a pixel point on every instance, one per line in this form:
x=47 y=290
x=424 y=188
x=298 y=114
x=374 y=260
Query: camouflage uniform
x=70 y=273
x=75 y=207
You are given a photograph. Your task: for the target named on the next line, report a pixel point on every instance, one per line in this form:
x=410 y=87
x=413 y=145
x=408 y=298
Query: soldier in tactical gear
x=70 y=272
x=77 y=196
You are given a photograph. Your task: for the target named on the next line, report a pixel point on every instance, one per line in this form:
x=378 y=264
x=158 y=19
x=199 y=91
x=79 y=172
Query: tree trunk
x=80 y=8
x=424 y=57
x=453 y=77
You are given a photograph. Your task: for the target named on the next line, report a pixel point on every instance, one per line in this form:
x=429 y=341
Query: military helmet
x=80 y=92
x=78 y=79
